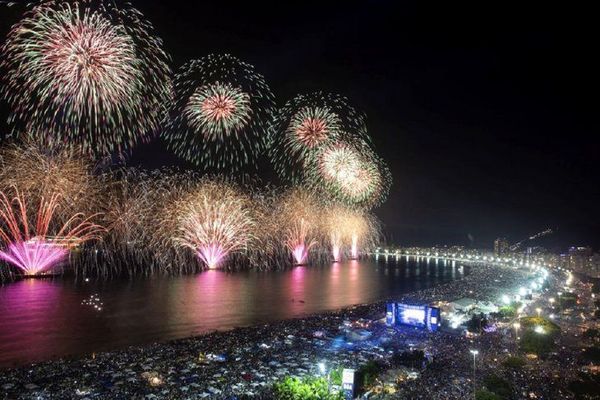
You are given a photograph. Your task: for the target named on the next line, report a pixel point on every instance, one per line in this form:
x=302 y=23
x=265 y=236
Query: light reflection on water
x=43 y=319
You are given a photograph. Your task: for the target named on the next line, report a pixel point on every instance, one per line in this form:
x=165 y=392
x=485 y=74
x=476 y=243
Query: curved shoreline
x=123 y=370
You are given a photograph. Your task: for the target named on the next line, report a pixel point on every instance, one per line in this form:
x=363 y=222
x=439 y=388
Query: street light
x=474 y=352
x=539 y=329
x=321 y=366
x=323 y=371
x=559 y=303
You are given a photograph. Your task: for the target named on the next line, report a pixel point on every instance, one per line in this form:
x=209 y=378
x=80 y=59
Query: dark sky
x=484 y=113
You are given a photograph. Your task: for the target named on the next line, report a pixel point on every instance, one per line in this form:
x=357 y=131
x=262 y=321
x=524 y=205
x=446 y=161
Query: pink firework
x=336 y=245
x=214 y=219
x=354 y=247
x=34 y=257
x=298 y=241
x=30 y=247
x=312 y=131
x=218 y=111
x=212 y=254
x=300 y=253
x=336 y=253
x=218 y=107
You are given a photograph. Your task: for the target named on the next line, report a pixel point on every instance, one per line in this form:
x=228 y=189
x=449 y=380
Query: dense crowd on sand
x=451 y=374
x=246 y=361
x=484 y=283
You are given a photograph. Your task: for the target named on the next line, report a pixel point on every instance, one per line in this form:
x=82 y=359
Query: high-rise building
x=501 y=246
x=593 y=268
x=580 y=258
x=582 y=251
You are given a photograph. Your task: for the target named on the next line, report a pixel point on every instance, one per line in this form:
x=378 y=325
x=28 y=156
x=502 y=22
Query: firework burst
x=218 y=111
x=221 y=112
x=87 y=72
x=362 y=231
x=307 y=123
x=38 y=170
x=350 y=229
x=312 y=126
x=35 y=242
x=350 y=173
x=297 y=214
x=336 y=226
x=214 y=220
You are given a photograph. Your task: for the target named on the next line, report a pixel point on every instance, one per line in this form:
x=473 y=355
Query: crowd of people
x=456 y=373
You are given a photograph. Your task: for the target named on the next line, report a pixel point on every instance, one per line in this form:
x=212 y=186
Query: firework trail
x=307 y=123
x=88 y=73
x=141 y=216
x=336 y=218
x=298 y=216
x=221 y=112
x=145 y=214
x=125 y=249
x=27 y=237
x=362 y=231
x=350 y=229
x=298 y=241
x=266 y=250
x=38 y=170
x=153 y=218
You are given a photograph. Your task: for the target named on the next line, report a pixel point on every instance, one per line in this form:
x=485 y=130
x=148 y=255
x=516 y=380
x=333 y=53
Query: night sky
x=483 y=114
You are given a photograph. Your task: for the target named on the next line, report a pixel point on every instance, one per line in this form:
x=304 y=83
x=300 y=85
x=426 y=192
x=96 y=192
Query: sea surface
x=52 y=318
